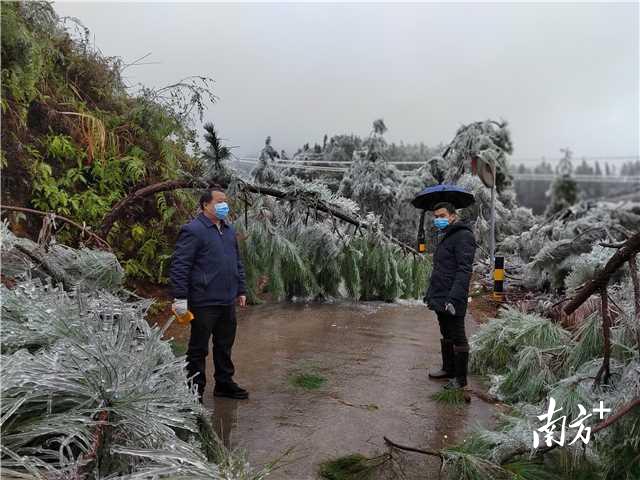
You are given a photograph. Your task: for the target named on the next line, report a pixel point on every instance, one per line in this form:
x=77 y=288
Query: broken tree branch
x=604 y=372
x=610 y=420
x=41 y=260
x=624 y=253
x=633 y=267
x=432 y=453
x=119 y=208
x=611 y=245
x=100 y=241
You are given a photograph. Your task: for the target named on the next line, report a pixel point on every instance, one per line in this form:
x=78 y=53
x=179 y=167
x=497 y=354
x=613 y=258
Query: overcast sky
x=561 y=75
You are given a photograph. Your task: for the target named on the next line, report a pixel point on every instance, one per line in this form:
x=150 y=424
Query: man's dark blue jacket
x=206 y=268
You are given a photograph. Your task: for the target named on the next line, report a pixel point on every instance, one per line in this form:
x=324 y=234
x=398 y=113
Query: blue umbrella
x=454 y=194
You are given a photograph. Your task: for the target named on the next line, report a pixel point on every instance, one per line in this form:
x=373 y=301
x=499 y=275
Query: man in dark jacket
x=207 y=278
x=448 y=291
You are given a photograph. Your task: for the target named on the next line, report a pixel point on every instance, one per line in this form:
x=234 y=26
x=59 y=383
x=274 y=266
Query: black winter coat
x=452 y=267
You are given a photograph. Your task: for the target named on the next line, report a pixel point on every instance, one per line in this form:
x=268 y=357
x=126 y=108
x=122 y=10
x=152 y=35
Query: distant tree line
x=537 y=194
x=629 y=168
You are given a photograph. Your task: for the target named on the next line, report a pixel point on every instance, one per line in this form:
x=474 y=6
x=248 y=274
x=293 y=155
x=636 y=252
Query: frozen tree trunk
x=633 y=271
x=633 y=267
x=624 y=253
x=119 y=208
x=604 y=372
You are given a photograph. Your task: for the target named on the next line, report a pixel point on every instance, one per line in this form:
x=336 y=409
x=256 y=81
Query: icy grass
x=350 y=467
x=307 y=381
x=450 y=396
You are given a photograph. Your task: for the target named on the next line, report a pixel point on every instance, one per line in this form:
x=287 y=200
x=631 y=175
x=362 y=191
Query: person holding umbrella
x=449 y=285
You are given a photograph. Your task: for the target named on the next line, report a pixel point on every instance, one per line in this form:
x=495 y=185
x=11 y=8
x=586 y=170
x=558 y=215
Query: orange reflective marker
x=498 y=279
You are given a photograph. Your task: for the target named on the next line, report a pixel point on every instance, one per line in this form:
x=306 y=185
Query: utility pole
x=492 y=238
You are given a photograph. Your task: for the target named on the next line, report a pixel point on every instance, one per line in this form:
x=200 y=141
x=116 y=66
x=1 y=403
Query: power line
x=510 y=160
x=578 y=158
x=580 y=178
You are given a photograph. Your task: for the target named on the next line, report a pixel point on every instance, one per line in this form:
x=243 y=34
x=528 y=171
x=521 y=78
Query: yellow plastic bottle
x=185 y=318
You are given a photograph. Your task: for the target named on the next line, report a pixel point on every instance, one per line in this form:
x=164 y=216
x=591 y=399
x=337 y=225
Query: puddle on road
x=373 y=357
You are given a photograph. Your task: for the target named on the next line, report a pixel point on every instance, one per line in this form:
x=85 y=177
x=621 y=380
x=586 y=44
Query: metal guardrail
x=311 y=157
x=578 y=178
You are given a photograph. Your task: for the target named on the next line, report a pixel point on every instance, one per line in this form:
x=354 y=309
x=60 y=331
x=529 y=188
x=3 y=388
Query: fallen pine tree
x=90 y=390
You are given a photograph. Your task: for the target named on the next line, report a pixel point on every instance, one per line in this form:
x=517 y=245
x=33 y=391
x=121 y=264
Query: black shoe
x=230 y=390
x=448 y=367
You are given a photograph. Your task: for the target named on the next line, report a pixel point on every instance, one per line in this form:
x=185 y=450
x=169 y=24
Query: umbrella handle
x=422 y=247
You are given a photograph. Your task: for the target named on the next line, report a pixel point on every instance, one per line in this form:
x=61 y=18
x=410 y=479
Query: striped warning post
x=498 y=279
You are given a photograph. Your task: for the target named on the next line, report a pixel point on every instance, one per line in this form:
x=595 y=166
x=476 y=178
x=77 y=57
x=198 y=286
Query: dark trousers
x=452 y=329
x=218 y=321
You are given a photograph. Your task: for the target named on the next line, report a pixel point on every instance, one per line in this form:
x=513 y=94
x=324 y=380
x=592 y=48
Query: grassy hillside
x=75 y=141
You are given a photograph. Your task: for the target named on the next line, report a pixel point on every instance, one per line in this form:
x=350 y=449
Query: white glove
x=180 y=306
x=449 y=308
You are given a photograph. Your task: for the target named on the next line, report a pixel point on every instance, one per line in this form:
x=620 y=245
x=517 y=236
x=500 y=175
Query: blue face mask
x=441 y=223
x=222 y=210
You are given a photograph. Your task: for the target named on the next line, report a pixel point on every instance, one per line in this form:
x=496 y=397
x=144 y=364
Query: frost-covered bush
x=80 y=268
x=585 y=266
x=373 y=185
x=531 y=359
x=89 y=389
x=551 y=250
x=265 y=172
x=495 y=346
x=297 y=249
x=406 y=219
x=531 y=374
x=292 y=254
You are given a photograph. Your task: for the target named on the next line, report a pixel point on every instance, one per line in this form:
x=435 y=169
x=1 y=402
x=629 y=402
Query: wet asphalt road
x=374 y=357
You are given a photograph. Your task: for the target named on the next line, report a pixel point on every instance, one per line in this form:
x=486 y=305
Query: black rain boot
x=448 y=367
x=461 y=360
